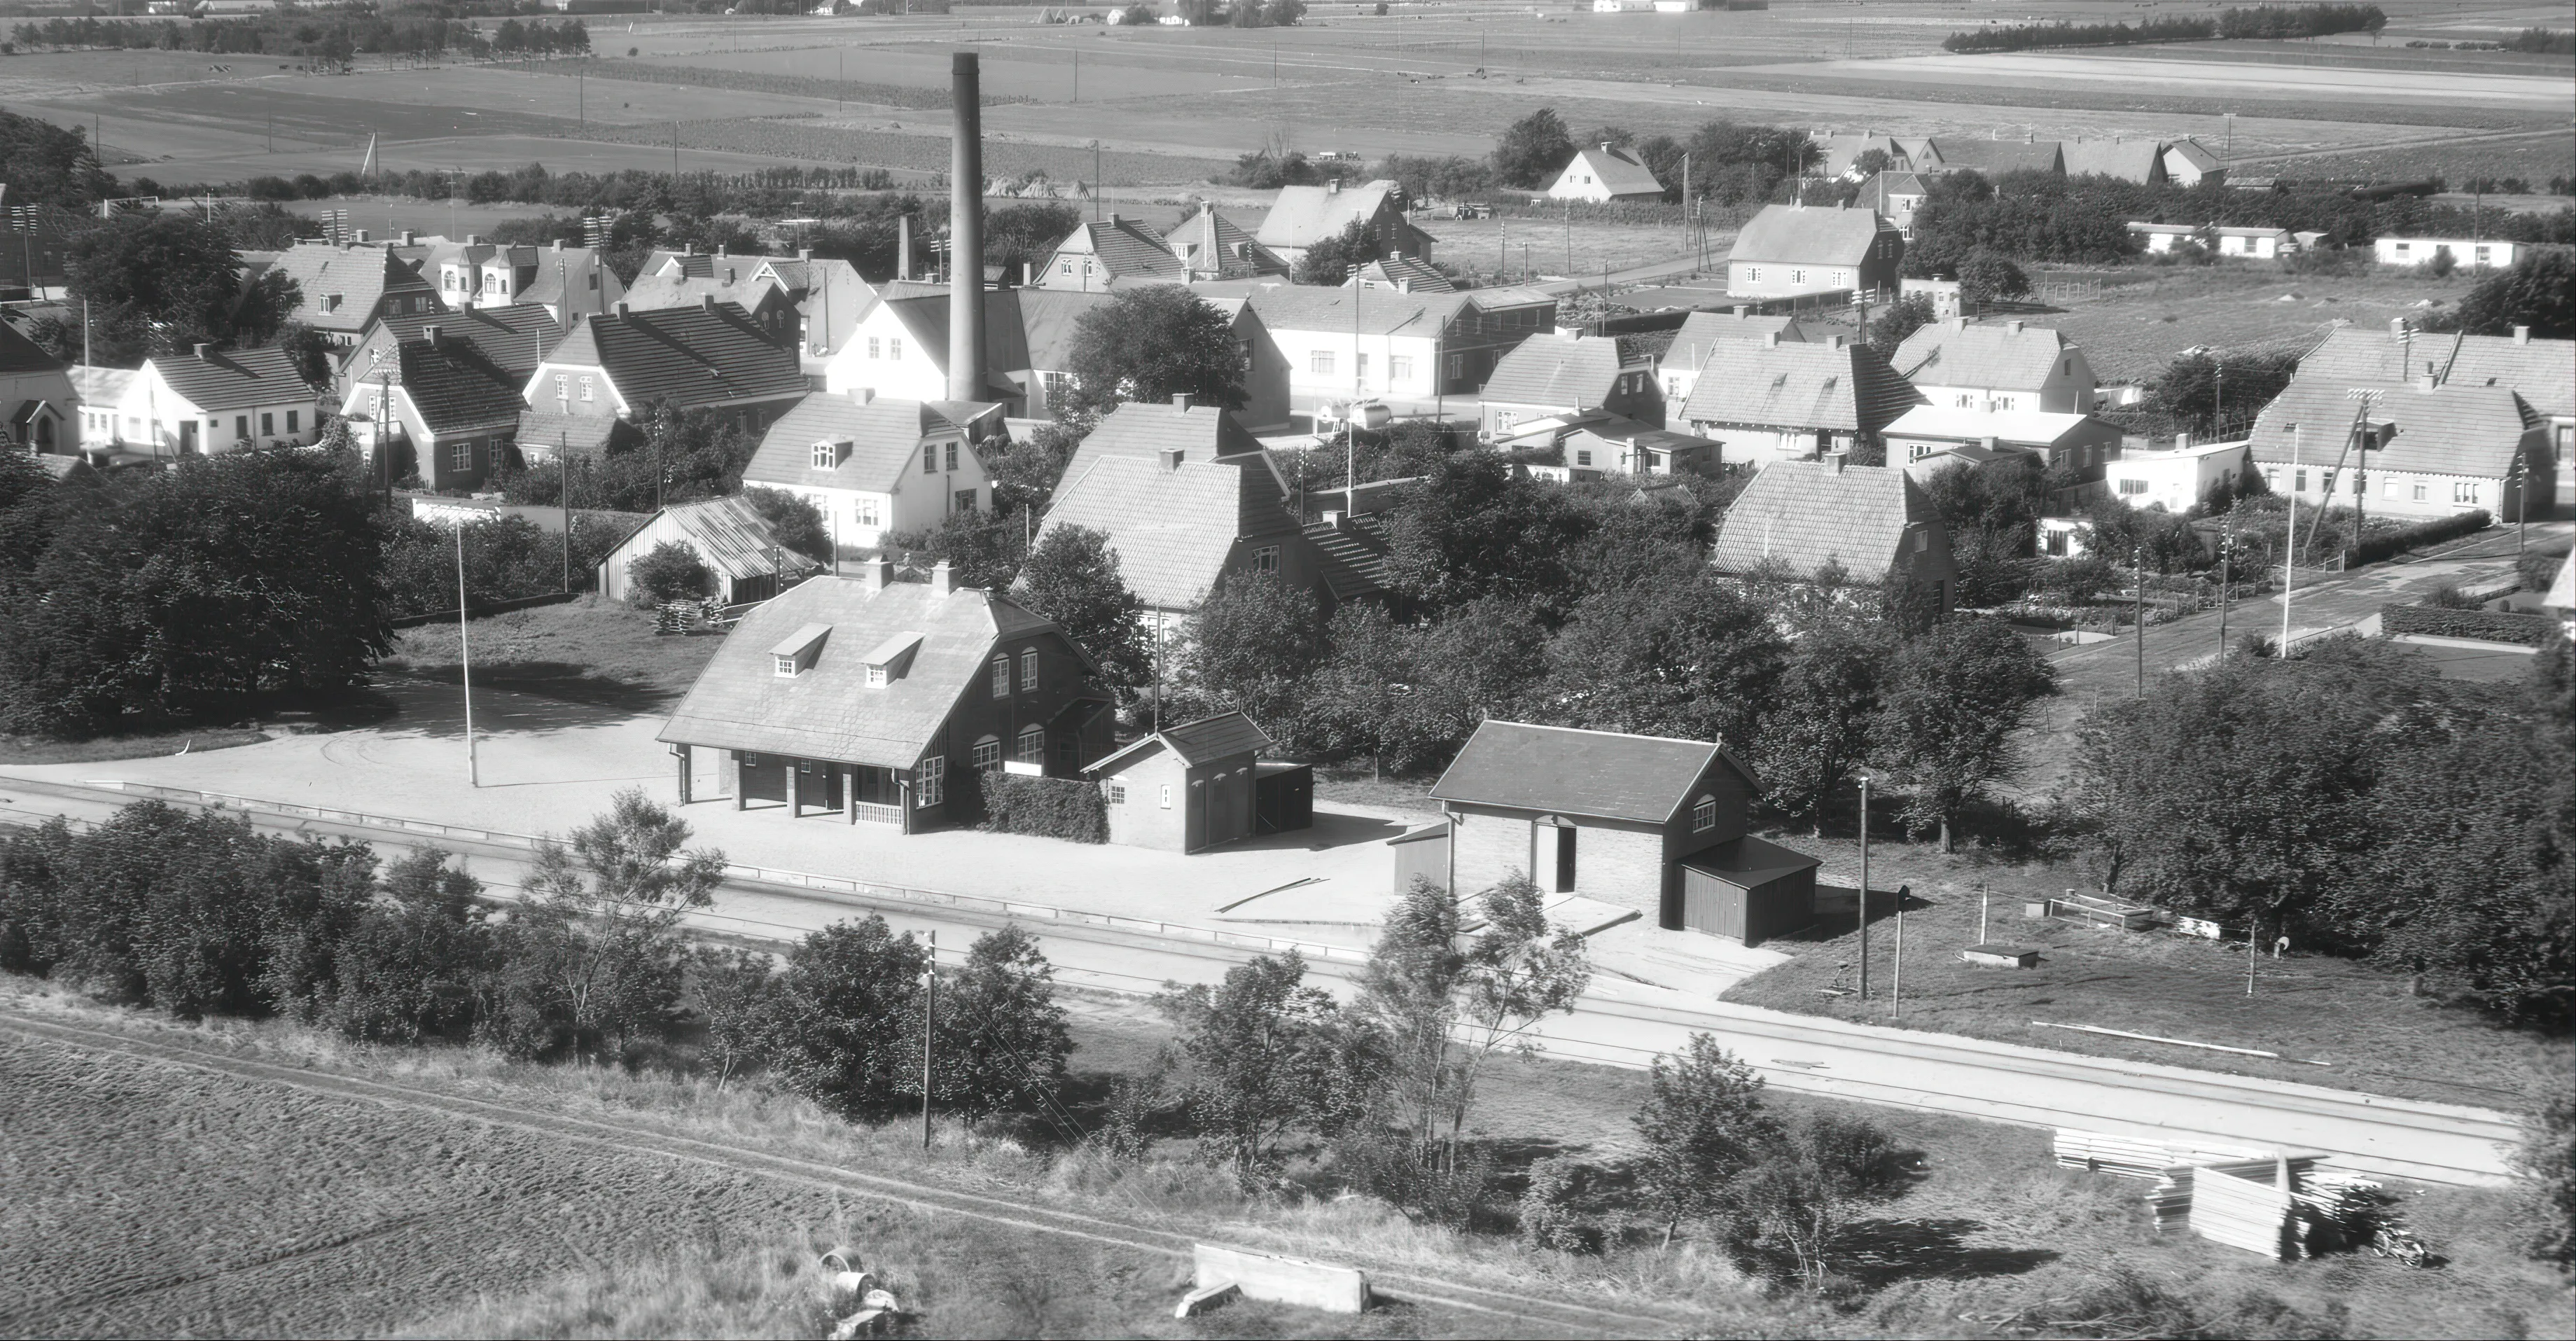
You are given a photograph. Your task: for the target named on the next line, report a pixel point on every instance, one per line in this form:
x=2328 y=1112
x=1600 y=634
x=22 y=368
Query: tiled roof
x=1129 y=248
x=2138 y=161
x=686 y=355
x=1171 y=527
x=455 y=388
x=1201 y=742
x=1808 y=235
x=1023 y=328
x=94 y=385
x=1841 y=151
x=564 y=281
x=18 y=354
x=1563 y=368
x=1307 y=307
x=1881 y=190
x=1806 y=514
x=1616 y=171
x=1305 y=215
x=1993 y=158
x=1993 y=354
x=1592 y=774
x=733 y=538
x=1411 y=273
x=884 y=435
x=2192 y=153
x=357 y=275
x=1146 y=429
x=828 y=712
x=654 y=292
x=1701 y=331
x=1212 y=245
x=1351 y=555
x=516 y=337
x=577 y=434
x=2450 y=430
x=2007 y=426
x=234 y=379
x=1847 y=390
x=2543 y=371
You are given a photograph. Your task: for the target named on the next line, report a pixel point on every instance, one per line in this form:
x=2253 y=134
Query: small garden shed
x=744 y=559
x=1185 y=788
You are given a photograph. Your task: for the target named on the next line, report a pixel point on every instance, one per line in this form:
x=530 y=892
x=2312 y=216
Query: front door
x=187 y=437
x=1565 y=858
x=1194 y=817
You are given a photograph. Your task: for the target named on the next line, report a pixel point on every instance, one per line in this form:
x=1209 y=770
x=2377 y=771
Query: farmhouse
x=1648 y=823
x=1788 y=250
x=741 y=553
x=214 y=400
x=442 y=400
x=1998 y=366
x=1770 y=401
x=1305 y=215
x=1604 y=174
x=2447 y=449
x=1867 y=523
x=620 y=367
x=877 y=464
x=884 y=701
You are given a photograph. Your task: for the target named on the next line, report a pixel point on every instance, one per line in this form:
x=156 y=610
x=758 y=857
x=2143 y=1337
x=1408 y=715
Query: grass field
x=590 y=649
x=2146 y=315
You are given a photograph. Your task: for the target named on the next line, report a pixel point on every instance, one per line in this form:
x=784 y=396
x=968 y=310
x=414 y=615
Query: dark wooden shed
x=1748 y=889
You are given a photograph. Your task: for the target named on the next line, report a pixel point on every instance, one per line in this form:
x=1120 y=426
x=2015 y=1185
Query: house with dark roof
x=569 y=281
x=2139 y=161
x=2000 y=366
x=1603 y=174
x=1989 y=158
x=1100 y=254
x=1871 y=523
x=742 y=555
x=1211 y=246
x=886 y=702
x=878 y=464
x=1788 y=250
x=346 y=286
x=443 y=403
x=1773 y=401
x=1405 y=274
x=1184 y=788
x=512 y=338
x=812 y=304
x=1649 y=823
x=619 y=367
x=1677 y=369
x=2542 y=372
x=1302 y=216
x=2188 y=163
x=1895 y=196
x=1181 y=522
x=1555 y=374
x=2443 y=449
x=35 y=397
x=218 y=400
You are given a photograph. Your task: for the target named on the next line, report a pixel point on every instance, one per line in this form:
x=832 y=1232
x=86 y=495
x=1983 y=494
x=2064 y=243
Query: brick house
x=613 y=370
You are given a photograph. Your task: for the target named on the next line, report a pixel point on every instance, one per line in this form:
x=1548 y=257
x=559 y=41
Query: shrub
x=1002 y=1038
x=420 y=961
x=672 y=572
x=2546 y=1167
x=1046 y=807
x=2374 y=548
x=846 y=1027
x=1551 y=1213
x=2493 y=626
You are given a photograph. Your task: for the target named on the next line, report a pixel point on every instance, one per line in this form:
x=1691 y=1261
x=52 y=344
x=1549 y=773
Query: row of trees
x=2260 y=21
x=329 y=41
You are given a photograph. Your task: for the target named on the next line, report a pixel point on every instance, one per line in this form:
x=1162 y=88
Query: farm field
x=2148 y=314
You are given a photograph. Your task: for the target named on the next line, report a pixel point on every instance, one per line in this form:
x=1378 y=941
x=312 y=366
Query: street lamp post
x=1864 y=886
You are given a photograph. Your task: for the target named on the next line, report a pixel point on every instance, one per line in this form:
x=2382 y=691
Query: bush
x=2493 y=626
x=1046 y=807
x=2374 y=548
x=1002 y=1037
x=2545 y=1164
x=420 y=961
x=672 y=572
x=846 y=1027
x=1551 y=1213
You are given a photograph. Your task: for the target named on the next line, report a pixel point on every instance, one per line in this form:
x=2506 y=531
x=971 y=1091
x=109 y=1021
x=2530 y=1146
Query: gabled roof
x=455 y=387
x=517 y=337
x=1172 y=527
x=733 y=538
x=2129 y=160
x=1881 y=190
x=1842 y=151
x=1806 y=514
x=2036 y=427
x=2543 y=371
x=1305 y=215
x=653 y=292
x=884 y=435
x=1410 y=273
x=20 y=355
x=1307 y=307
x=358 y=275
x=1808 y=235
x=1208 y=243
x=828 y=711
x=1560 y=770
x=1351 y=554
x=233 y=379
x=1023 y=328
x=1144 y=430
x=1701 y=331
x=1993 y=158
x=1616 y=171
x=686 y=355
x=577 y=434
x=1993 y=354
x=1562 y=368
x=1129 y=248
x=94 y=385
x=2191 y=153
x=1201 y=742
x=2449 y=430
x=564 y=281
x=1807 y=386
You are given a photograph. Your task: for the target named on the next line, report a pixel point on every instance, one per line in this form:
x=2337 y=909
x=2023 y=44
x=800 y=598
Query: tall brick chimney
x=966 y=229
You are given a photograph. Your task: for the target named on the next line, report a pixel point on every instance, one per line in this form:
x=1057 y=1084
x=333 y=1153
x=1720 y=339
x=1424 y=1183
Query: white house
x=1604 y=174
x=2472 y=252
x=1788 y=250
x=2441 y=449
x=214 y=400
x=1414 y=350
x=1997 y=367
x=872 y=464
x=100 y=392
x=2176 y=478
x=2260 y=244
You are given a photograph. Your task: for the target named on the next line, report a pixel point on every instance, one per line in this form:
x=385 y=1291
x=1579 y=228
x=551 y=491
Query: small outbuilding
x=1198 y=785
x=734 y=541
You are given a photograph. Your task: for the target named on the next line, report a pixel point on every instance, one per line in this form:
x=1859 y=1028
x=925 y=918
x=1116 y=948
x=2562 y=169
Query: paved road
x=1619 y=1023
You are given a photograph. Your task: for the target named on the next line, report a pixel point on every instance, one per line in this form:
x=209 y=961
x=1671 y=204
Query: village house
x=2474 y=253
x=1603 y=174
x=1895 y=196
x=2442 y=449
x=36 y=397
x=210 y=400
x=1839 y=155
x=815 y=305
x=900 y=347
x=1305 y=215
x=1786 y=251
x=2001 y=367
x=2079 y=445
x=347 y=286
x=2188 y=163
x=2542 y=372
x=1677 y=369
x=1208 y=245
x=878 y=701
x=2176 y=479
x=1404 y=274
x=99 y=392
x=1101 y=254
x=1559 y=373
x=873 y=465
x=2216 y=239
x=442 y=400
x=742 y=555
x=1988 y=158
x=2128 y=160
x=570 y=281
x=1654 y=825
x=1201 y=784
x=1869 y=524
x=1413 y=351
x=1595 y=443
x=613 y=371
x=1771 y=401
x=513 y=338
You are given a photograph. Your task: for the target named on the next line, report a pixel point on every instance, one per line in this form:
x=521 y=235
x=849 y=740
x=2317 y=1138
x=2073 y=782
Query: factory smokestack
x=966 y=231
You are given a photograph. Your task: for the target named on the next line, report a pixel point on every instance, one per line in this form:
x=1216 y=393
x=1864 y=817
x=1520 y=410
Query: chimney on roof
x=1992 y=443
x=877 y=574
x=2427 y=382
x=804 y=253
x=558 y=247
x=1181 y=401
x=362 y=235
x=730 y=273
x=431 y=334
x=688 y=249
x=203 y=350
x=1837 y=341
x=2014 y=326
x=1836 y=459
x=1770 y=339
x=706 y=302
x=2182 y=441
x=2397 y=328
x=966 y=228
x=1958 y=323
x=408 y=236
x=622 y=307
x=2522 y=335
x=1171 y=457
x=720 y=250
x=1333 y=187
x=943 y=579
x=1028 y=274
x=861 y=395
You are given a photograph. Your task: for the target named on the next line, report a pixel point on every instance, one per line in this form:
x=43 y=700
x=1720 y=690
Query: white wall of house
x=915 y=500
x=1772 y=279
x=882 y=356
x=1328 y=365
x=2465 y=251
x=2174 y=481
x=1759 y=447
x=2260 y=246
x=153 y=416
x=2391 y=493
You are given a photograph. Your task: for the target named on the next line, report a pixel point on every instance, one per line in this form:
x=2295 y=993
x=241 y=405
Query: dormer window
x=796 y=654
x=829 y=455
x=887 y=661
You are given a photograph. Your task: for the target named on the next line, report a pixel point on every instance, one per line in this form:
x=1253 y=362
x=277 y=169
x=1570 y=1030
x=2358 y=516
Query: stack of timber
x=2250 y=1205
x=2100 y=911
x=2136 y=1156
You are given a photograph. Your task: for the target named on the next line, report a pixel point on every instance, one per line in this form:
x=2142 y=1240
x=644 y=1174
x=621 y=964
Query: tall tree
x=1951 y=704
x=175 y=276
x=1472 y=529
x=46 y=163
x=845 y=1030
x=1693 y=659
x=1267 y=1056
x=1815 y=728
x=1703 y=1127
x=1250 y=646
x=1533 y=150
x=1151 y=343
x=1072 y=577
x=1002 y=1038
x=2539 y=292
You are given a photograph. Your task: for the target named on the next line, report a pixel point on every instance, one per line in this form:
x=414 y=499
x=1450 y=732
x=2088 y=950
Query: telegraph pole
x=2138 y=563
x=929 y=1017
x=465 y=660
x=1864 y=886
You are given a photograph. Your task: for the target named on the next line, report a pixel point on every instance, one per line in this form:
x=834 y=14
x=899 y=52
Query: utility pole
x=1896 y=983
x=929 y=1018
x=563 y=499
x=2289 y=572
x=2226 y=552
x=1864 y=886
x=465 y=660
x=2138 y=564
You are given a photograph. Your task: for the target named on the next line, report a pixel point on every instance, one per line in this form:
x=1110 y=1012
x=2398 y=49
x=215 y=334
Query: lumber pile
x=2247 y=1205
x=2101 y=911
x=2137 y=1156
x=2281 y=1206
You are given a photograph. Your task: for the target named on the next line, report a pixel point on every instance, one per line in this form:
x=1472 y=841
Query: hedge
x=2491 y=626
x=1047 y=807
x=2374 y=548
